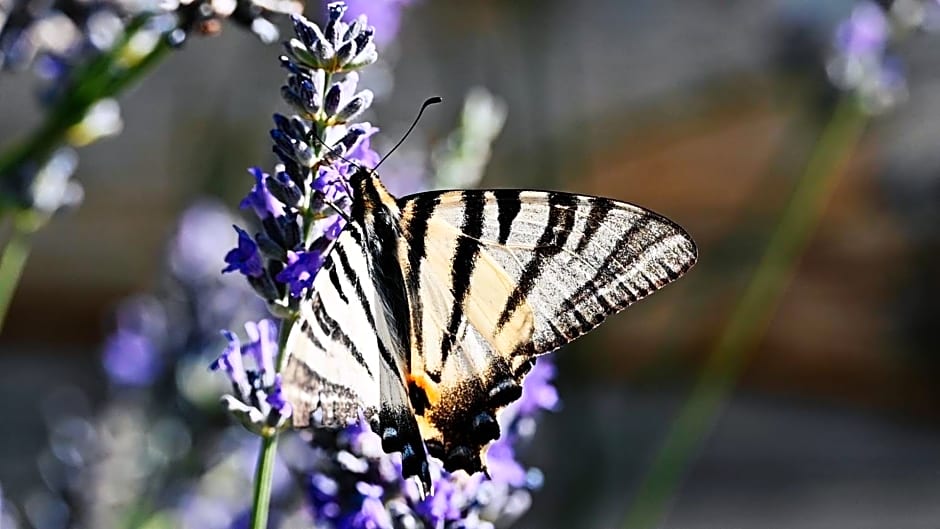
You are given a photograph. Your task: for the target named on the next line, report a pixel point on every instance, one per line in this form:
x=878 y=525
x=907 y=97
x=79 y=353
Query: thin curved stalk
x=11 y=268
x=751 y=316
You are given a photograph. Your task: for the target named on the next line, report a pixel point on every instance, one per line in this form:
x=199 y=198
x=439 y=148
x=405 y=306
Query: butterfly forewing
x=502 y=276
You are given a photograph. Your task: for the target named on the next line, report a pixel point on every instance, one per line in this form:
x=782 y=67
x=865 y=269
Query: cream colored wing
x=498 y=277
x=333 y=368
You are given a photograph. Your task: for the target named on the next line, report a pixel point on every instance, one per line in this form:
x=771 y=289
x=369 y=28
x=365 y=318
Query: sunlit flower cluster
x=302 y=205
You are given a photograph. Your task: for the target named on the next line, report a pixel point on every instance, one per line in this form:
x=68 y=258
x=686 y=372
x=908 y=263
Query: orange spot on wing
x=427 y=385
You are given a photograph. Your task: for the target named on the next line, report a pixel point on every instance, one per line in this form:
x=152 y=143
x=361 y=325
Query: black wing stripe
x=366 y=306
x=508 y=206
x=599 y=210
x=336 y=333
x=464 y=261
x=334 y=278
x=589 y=288
x=353 y=279
x=415 y=232
x=561 y=218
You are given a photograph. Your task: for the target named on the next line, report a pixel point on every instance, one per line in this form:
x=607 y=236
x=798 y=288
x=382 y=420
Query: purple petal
x=276 y=399
x=361 y=151
x=502 y=465
x=245 y=257
x=262 y=346
x=260 y=198
x=301 y=270
x=231 y=362
x=331 y=183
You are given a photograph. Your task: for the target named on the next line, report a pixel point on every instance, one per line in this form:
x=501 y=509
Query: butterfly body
x=430 y=309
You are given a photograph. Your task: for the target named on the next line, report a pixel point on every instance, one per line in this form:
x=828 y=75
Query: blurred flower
x=194 y=250
x=59 y=32
x=130 y=359
x=865 y=32
x=538 y=393
x=45 y=188
x=160 y=416
x=384 y=15
x=156 y=332
x=113 y=41
x=460 y=161
x=864 y=60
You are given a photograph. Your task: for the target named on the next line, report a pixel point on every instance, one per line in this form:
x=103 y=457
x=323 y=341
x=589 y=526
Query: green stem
x=11 y=267
x=100 y=78
x=264 y=472
x=750 y=317
x=263 y=479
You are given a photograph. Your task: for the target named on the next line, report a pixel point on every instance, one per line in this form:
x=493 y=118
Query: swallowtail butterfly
x=430 y=309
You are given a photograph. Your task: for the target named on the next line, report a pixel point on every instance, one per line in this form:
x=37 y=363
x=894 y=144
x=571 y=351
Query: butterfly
x=430 y=309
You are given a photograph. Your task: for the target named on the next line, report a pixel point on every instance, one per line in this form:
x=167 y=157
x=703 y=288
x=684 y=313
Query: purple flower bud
x=354 y=107
x=284 y=189
x=305 y=30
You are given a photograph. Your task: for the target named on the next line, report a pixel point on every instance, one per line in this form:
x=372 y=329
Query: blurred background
x=723 y=401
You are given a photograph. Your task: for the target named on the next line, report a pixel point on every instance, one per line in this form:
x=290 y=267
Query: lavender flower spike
x=256 y=399
x=300 y=206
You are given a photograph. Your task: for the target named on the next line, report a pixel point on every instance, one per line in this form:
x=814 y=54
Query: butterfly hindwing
x=502 y=276
x=333 y=367
x=342 y=359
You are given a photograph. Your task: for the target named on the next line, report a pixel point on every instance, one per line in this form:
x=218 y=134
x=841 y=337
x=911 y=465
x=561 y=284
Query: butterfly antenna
x=338 y=209
x=427 y=102
x=341 y=157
